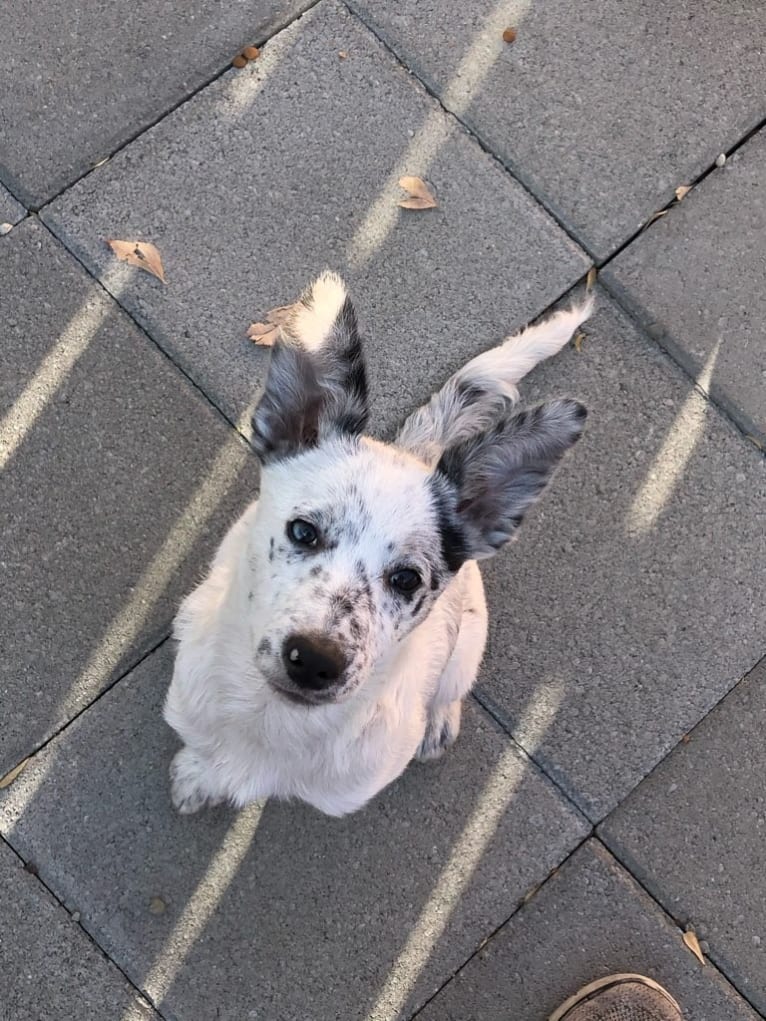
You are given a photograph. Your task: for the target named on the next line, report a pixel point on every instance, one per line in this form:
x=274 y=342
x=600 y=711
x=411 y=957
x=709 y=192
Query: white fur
x=407 y=676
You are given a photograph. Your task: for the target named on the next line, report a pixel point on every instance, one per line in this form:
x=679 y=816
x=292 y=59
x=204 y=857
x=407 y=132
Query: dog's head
x=354 y=540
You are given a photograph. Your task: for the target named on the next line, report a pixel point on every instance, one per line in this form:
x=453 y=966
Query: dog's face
x=355 y=540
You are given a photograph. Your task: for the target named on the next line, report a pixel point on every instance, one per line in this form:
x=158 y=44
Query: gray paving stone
x=271 y=174
x=589 y=920
x=76 y=84
x=316 y=918
x=698 y=279
x=633 y=600
x=48 y=966
x=604 y=108
x=11 y=211
x=694 y=834
x=118 y=479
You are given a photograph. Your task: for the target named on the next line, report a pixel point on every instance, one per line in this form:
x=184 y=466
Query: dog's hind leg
x=459 y=675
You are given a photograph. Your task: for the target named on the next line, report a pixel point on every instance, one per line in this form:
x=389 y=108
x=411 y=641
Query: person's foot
x=620 y=998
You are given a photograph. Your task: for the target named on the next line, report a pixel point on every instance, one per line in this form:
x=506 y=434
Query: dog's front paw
x=442 y=730
x=187 y=789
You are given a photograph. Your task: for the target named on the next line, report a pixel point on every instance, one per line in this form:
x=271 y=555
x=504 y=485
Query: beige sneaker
x=620 y=998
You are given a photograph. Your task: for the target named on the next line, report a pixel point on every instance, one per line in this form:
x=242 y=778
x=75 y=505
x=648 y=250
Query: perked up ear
x=316 y=383
x=485 y=485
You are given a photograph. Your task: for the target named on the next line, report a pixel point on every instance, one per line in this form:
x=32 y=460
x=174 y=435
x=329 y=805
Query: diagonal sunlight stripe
x=668 y=466
x=202 y=903
x=456 y=874
x=152 y=583
x=484 y=50
x=58 y=363
x=146 y=593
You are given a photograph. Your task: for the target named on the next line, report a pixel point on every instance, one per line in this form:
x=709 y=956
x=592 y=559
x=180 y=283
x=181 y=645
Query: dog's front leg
x=192 y=782
x=459 y=675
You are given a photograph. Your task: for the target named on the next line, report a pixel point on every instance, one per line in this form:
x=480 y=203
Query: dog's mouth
x=301 y=697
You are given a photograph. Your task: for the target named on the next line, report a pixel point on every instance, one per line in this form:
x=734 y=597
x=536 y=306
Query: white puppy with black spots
x=343 y=620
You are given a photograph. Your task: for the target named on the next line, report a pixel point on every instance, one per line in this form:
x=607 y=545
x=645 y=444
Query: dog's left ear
x=316 y=384
x=485 y=485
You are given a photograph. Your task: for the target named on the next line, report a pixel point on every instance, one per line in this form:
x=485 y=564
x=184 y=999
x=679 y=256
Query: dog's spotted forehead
x=359 y=492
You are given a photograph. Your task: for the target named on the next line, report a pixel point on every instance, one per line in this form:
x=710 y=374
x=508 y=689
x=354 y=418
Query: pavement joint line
x=710 y=960
x=140 y=992
x=84 y=709
x=489 y=707
x=471 y=132
x=528 y=896
x=744 y=430
x=703 y=175
x=258 y=41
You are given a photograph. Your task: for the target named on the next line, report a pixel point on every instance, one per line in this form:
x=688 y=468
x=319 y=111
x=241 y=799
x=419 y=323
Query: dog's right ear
x=316 y=384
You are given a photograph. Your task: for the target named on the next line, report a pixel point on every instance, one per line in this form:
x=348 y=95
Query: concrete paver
x=694 y=834
x=77 y=82
x=275 y=172
x=602 y=109
x=11 y=211
x=282 y=912
x=697 y=278
x=49 y=967
x=590 y=919
x=608 y=615
x=118 y=479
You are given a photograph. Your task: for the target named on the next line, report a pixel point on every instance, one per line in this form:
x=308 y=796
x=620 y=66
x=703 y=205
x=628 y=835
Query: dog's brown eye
x=302 y=532
x=406 y=580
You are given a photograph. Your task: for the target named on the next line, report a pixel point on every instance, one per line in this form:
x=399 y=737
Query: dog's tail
x=476 y=396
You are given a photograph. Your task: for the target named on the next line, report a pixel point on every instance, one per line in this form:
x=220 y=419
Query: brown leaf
x=140 y=253
x=682 y=190
x=251 y=53
x=590 y=280
x=686 y=738
x=577 y=340
x=8 y=779
x=656 y=216
x=420 y=196
x=690 y=939
x=509 y=35
x=263 y=333
x=342 y=54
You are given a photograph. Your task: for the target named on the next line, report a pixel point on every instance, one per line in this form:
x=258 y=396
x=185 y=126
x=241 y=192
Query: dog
x=343 y=620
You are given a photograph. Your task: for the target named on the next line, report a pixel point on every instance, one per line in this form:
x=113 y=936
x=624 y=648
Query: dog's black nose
x=312 y=661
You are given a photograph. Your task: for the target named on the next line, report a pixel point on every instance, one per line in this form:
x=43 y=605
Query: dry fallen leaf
x=590 y=280
x=509 y=35
x=756 y=441
x=577 y=340
x=342 y=54
x=251 y=53
x=690 y=939
x=140 y=253
x=686 y=739
x=656 y=216
x=420 y=196
x=8 y=779
x=682 y=190
x=279 y=315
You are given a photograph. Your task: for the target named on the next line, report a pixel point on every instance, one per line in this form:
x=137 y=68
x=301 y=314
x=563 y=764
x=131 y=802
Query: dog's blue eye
x=405 y=580
x=302 y=532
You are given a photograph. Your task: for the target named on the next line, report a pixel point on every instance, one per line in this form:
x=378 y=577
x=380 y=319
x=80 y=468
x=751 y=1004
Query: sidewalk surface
x=607 y=792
